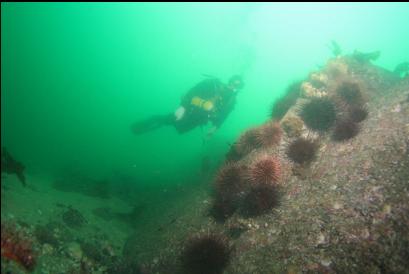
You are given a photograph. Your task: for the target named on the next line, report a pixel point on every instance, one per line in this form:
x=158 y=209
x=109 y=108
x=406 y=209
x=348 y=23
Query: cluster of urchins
x=253 y=189
x=340 y=113
x=250 y=189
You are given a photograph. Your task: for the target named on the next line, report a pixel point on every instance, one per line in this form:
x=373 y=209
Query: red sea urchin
x=14 y=247
x=265 y=170
x=223 y=207
x=206 y=254
x=269 y=134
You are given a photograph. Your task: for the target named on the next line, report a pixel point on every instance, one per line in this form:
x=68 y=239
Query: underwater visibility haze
x=99 y=174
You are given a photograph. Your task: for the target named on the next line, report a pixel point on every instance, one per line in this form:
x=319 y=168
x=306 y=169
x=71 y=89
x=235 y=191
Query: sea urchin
x=319 y=114
x=259 y=200
x=269 y=134
x=206 y=254
x=358 y=113
x=223 y=207
x=229 y=178
x=247 y=141
x=265 y=170
x=302 y=150
x=350 y=93
x=345 y=130
x=228 y=186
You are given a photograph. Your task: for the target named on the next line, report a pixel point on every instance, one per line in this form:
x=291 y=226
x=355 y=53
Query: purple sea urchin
x=319 y=114
x=345 y=130
x=302 y=150
x=259 y=200
x=350 y=93
x=229 y=179
x=357 y=113
x=222 y=208
x=206 y=254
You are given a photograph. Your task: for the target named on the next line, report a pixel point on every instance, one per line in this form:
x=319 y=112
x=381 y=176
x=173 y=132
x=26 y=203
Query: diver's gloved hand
x=179 y=113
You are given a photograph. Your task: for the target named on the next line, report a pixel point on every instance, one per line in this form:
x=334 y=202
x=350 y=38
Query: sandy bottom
x=39 y=204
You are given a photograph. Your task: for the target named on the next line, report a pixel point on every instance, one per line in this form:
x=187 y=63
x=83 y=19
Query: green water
x=74 y=76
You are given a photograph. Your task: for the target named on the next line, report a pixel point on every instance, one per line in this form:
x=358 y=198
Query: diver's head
x=236 y=83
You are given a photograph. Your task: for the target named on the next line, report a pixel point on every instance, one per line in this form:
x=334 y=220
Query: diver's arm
x=219 y=117
x=217 y=122
x=223 y=113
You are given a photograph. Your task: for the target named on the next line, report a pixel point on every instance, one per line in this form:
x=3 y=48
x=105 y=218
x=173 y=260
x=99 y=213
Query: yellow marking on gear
x=197 y=101
x=201 y=103
x=208 y=105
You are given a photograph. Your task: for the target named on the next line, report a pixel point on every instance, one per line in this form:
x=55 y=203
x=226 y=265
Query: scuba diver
x=210 y=100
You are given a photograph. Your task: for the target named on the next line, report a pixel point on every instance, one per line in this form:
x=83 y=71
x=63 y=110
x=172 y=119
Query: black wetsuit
x=210 y=89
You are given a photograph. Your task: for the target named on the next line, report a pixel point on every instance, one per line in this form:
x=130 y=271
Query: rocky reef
x=345 y=210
